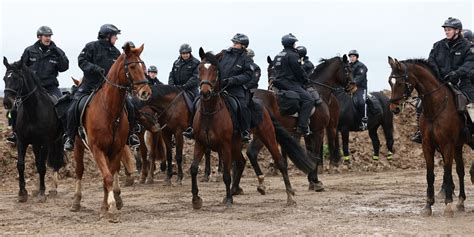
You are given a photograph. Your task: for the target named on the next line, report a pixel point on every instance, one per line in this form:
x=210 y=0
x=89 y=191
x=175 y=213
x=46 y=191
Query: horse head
x=401 y=84
x=134 y=70
x=208 y=74
x=13 y=82
x=334 y=72
x=270 y=71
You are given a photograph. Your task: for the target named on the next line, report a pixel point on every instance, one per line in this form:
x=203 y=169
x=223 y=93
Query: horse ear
x=269 y=60
x=5 y=62
x=344 y=59
x=140 y=49
x=202 y=54
x=397 y=64
x=390 y=61
x=76 y=82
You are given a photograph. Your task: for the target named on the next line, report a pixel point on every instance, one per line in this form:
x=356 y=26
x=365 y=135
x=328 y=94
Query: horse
x=106 y=127
x=213 y=129
x=172 y=112
x=37 y=125
x=441 y=125
x=330 y=75
x=378 y=115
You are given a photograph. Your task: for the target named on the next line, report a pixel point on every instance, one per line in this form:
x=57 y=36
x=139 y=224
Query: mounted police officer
x=453 y=59
x=46 y=60
x=467 y=34
x=95 y=60
x=257 y=72
x=184 y=73
x=290 y=75
x=308 y=66
x=359 y=74
x=152 y=76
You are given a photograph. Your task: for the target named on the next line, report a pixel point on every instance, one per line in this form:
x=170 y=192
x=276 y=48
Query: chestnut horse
x=440 y=123
x=331 y=75
x=106 y=126
x=214 y=129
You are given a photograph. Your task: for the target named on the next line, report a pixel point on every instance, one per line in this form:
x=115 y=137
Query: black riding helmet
x=353 y=52
x=288 y=40
x=152 y=68
x=185 y=48
x=107 y=30
x=466 y=33
x=241 y=39
x=302 y=51
x=132 y=45
x=44 y=30
x=453 y=23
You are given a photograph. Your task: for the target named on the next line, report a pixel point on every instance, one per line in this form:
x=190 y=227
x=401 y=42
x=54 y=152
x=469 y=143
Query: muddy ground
x=368 y=197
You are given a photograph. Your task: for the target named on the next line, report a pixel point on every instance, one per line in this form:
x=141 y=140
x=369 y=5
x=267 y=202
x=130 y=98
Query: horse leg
x=471 y=172
x=169 y=160
x=79 y=158
x=333 y=142
x=345 y=144
x=114 y=169
x=179 y=157
x=20 y=165
x=127 y=159
x=198 y=153
x=41 y=168
x=314 y=145
x=226 y=155
x=238 y=169
x=428 y=153
x=207 y=169
x=448 y=180
x=460 y=172
x=375 y=142
x=252 y=153
x=388 y=132
x=142 y=150
x=108 y=203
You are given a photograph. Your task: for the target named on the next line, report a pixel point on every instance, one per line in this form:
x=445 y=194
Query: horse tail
x=289 y=145
x=56 y=155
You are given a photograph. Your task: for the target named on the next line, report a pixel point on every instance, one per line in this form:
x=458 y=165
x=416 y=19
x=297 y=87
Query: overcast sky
x=377 y=29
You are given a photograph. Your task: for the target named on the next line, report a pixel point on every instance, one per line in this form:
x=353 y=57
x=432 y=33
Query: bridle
x=131 y=82
x=19 y=98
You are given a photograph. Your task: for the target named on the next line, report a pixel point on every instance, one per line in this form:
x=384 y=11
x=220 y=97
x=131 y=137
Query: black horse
x=378 y=113
x=37 y=124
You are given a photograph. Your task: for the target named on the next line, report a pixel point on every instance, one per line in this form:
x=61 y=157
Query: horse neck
x=164 y=101
x=212 y=105
x=29 y=84
x=426 y=84
x=112 y=94
x=327 y=77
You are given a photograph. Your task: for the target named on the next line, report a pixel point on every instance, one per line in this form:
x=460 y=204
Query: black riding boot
x=133 y=139
x=417 y=136
x=189 y=133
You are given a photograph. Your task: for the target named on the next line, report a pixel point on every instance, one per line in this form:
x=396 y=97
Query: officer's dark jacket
x=153 y=82
x=453 y=56
x=253 y=84
x=359 y=74
x=185 y=73
x=235 y=64
x=308 y=66
x=288 y=67
x=45 y=62
x=96 y=54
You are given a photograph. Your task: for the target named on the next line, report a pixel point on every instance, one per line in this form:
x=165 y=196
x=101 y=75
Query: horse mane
x=163 y=90
x=323 y=64
x=27 y=73
x=424 y=63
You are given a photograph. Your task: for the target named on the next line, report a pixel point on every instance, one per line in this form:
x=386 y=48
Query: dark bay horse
x=376 y=118
x=106 y=127
x=441 y=125
x=214 y=129
x=332 y=74
x=37 y=124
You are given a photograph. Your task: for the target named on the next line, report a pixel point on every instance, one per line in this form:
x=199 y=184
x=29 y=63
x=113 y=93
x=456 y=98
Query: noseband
x=131 y=82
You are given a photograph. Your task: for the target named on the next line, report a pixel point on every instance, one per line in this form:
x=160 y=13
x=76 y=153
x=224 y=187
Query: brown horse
x=106 y=126
x=440 y=123
x=332 y=74
x=214 y=129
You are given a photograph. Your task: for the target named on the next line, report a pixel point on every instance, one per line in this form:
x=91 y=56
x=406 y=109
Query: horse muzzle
x=144 y=94
x=396 y=109
x=206 y=95
x=7 y=103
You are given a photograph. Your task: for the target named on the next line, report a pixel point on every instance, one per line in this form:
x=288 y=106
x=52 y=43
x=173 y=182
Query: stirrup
x=69 y=144
x=133 y=140
x=245 y=136
x=189 y=133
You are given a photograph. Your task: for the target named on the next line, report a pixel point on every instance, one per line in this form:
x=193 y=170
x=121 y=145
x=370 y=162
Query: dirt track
x=353 y=203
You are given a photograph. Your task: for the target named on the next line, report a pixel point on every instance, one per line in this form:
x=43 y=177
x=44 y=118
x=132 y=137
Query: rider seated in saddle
x=152 y=76
x=453 y=58
x=290 y=75
x=45 y=59
x=308 y=66
x=95 y=60
x=235 y=72
x=359 y=75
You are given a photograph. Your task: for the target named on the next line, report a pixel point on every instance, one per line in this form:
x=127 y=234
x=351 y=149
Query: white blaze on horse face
x=393 y=81
x=207 y=65
x=10 y=75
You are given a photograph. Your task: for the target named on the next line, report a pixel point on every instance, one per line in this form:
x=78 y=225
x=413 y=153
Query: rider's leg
x=417 y=136
x=134 y=128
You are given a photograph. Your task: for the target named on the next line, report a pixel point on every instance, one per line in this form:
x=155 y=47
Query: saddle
x=289 y=102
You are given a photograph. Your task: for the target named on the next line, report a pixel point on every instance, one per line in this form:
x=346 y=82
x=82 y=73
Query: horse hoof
x=179 y=181
x=22 y=196
x=460 y=207
x=113 y=217
x=427 y=212
x=205 y=179
x=41 y=198
x=53 y=193
x=319 y=187
x=291 y=192
x=75 y=207
x=227 y=202
x=118 y=201
x=150 y=181
x=291 y=203
x=238 y=191
x=197 y=203
x=261 y=189
x=142 y=180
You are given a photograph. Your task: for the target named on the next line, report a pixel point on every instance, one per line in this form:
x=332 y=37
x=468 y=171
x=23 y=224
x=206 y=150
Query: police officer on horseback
x=359 y=75
x=467 y=34
x=95 y=60
x=257 y=72
x=45 y=59
x=152 y=76
x=290 y=75
x=453 y=58
x=308 y=66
